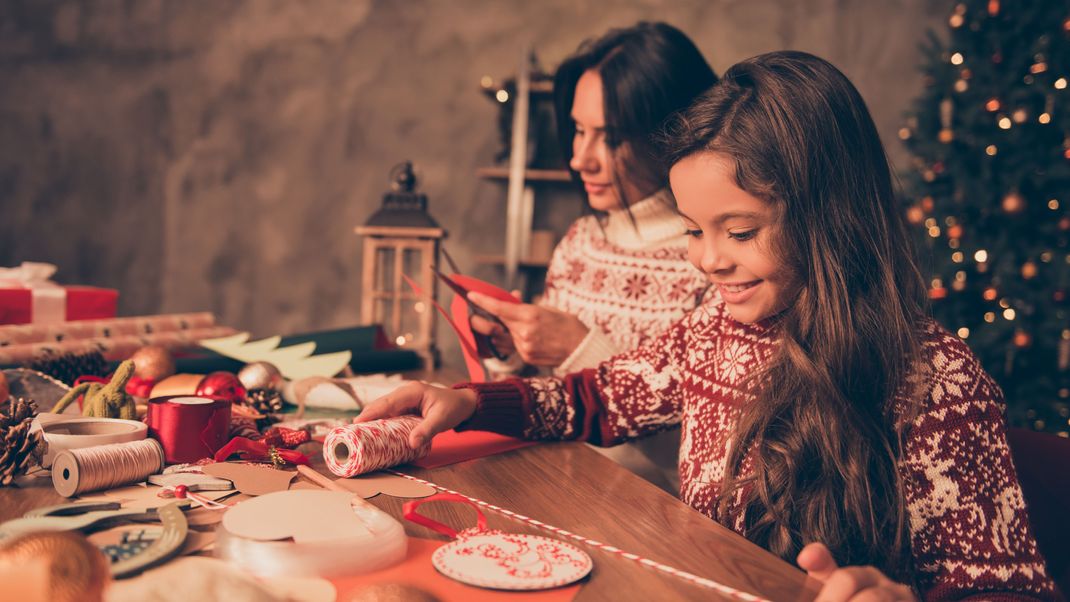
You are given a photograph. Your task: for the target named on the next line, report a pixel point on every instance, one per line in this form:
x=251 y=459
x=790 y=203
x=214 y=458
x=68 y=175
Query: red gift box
x=28 y=296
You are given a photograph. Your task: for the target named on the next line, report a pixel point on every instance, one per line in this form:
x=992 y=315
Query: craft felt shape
x=372 y=484
x=251 y=479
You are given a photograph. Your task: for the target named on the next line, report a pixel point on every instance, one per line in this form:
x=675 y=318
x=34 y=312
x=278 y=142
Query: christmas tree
x=990 y=195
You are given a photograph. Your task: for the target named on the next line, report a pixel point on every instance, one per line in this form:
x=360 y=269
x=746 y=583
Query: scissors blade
x=449 y=260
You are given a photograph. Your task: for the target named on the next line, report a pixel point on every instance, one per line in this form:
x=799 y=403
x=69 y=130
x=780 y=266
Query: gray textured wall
x=209 y=154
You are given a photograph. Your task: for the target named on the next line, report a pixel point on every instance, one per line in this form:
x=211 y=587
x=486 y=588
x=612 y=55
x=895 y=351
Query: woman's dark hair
x=822 y=436
x=649 y=72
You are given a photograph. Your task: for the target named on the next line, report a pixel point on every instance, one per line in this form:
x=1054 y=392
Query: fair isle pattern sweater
x=968 y=522
x=626 y=282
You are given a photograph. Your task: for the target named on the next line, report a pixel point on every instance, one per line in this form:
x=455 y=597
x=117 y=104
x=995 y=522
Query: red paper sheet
x=451 y=447
x=417 y=571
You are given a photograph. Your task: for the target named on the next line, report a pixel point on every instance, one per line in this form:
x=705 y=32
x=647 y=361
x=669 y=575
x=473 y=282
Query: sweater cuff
x=499 y=408
x=594 y=349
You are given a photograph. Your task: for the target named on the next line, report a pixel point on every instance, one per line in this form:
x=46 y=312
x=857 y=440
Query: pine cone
x=265 y=401
x=69 y=366
x=18 y=447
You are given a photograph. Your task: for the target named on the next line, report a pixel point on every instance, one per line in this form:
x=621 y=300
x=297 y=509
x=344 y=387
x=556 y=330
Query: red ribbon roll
x=189 y=428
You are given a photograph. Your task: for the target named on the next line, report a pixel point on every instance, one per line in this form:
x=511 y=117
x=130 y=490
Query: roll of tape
x=62 y=434
x=189 y=428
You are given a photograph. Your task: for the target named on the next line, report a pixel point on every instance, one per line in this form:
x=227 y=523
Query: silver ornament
x=260 y=375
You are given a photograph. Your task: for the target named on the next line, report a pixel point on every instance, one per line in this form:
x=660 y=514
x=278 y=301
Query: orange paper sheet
x=451 y=447
x=417 y=571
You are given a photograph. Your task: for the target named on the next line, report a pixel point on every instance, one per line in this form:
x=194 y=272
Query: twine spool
x=359 y=448
x=77 y=471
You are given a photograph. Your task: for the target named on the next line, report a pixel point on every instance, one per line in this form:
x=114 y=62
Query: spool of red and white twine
x=728 y=591
x=355 y=449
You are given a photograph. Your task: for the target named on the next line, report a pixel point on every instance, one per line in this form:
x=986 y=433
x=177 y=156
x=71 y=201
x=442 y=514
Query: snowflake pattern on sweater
x=968 y=522
x=630 y=282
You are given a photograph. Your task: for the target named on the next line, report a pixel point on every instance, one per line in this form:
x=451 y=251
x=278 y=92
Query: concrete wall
x=215 y=155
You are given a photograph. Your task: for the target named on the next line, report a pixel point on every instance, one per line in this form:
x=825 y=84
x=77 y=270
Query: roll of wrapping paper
x=113 y=348
x=355 y=449
x=189 y=428
x=21 y=334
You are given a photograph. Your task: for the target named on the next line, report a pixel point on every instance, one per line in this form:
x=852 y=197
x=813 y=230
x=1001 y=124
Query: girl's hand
x=849 y=583
x=441 y=408
x=542 y=336
x=499 y=336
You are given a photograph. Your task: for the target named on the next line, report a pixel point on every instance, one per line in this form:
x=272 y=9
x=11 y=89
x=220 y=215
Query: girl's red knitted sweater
x=968 y=523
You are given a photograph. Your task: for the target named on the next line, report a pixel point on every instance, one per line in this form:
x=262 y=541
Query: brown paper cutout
x=139 y=497
x=251 y=479
x=372 y=484
x=305 y=516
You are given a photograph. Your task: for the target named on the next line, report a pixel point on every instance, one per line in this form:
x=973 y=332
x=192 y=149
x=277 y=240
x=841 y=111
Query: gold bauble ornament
x=153 y=363
x=75 y=569
x=1013 y=203
x=260 y=375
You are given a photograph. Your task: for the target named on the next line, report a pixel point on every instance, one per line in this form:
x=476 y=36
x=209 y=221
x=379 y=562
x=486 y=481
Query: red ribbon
x=140 y=387
x=188 y=432
x=258 y=451
x=409 y=511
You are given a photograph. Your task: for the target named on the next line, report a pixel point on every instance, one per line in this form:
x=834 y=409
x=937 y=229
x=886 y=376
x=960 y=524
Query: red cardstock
x=451 y=447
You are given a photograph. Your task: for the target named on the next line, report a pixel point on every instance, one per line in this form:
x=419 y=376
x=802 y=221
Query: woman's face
x=731 y=237
x=591 y=156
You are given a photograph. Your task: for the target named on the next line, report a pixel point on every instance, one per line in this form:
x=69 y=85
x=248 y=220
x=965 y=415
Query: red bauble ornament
x=221 y=385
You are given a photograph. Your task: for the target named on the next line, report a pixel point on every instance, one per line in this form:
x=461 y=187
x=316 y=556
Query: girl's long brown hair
x=821 y=434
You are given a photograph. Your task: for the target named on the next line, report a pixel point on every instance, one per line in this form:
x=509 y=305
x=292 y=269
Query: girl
x=619 y=277
x=824 y=416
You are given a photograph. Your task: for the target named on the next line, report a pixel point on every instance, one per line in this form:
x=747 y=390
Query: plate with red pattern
x=511 y=561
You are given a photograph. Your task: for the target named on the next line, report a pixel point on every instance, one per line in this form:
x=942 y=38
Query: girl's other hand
x=849 y=583
x=542 y=336
x=441 y=408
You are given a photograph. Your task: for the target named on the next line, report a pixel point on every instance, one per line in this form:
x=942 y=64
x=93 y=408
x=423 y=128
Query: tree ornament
x=1013 y=203
x=1029 y=270
x=153 y=363
x=19 y=448
x=221 y=385
x=1022 y=339
x=260 y=375
x=915 y=215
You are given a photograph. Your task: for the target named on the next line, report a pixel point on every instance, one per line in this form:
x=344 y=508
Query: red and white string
x=355 y=449
x=664 y=568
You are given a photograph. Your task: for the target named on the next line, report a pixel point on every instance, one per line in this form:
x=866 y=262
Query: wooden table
x=570 y=486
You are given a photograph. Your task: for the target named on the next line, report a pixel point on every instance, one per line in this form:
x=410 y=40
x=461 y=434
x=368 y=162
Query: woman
x=620 y=276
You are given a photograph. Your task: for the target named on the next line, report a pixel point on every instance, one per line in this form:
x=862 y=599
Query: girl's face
x=591 y=156
x=731 y=237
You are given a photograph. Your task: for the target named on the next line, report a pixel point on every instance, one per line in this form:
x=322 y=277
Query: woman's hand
x=542 y=336
x=849 y=583
x=441 y=408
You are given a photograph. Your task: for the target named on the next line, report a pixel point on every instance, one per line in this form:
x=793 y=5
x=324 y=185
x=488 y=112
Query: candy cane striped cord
x=664 y=568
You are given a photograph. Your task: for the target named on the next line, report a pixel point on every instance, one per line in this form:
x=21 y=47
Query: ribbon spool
x=77 y=471
x=189 y=428
x=62 y=433
x=355 y=449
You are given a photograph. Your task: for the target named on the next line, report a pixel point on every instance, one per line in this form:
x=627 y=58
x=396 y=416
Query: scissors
x=484 y=343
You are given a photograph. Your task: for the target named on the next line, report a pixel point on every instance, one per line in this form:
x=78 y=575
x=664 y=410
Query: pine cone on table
x=265 y=401
x=69 y=366
x=19 y=448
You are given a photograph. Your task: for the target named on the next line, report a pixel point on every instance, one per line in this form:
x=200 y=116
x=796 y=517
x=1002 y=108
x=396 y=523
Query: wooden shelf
x=500 y=260
x=530 y=175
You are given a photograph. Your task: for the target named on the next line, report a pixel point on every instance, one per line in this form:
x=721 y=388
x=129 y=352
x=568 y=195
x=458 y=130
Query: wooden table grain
x=572 y=487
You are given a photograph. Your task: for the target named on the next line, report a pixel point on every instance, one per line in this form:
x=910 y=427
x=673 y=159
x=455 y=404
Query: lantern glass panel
x=384 y=314
x=384 y=269
x=410 y=322
x=411 y=263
